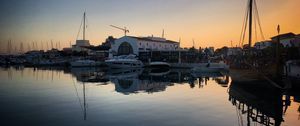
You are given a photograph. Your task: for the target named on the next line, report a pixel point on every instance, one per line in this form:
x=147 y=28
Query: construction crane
x=123 y=29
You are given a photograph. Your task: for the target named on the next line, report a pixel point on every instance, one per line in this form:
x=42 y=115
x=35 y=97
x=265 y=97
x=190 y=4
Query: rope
x=242 y=36
x=256 y=22
x=257 y=14
x=79 y=29
x=245 y=27
x=86 y=26
x=255 y=31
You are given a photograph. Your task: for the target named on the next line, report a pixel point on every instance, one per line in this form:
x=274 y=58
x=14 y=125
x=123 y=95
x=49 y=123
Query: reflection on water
x=260 y=104
x=128 y=81
x=145 y=96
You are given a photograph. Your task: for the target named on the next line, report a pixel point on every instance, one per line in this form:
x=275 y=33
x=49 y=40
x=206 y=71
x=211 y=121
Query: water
x=59 y=97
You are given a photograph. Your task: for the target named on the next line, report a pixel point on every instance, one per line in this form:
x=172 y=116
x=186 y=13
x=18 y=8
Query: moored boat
x=209 y=68
x=159 y=64
x=83 y=63
x=124 y=61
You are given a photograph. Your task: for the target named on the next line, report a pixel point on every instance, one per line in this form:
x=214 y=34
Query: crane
x=123 y=29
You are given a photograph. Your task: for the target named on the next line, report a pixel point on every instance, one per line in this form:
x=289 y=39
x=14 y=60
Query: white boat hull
x=124 y=64
x=159 y=64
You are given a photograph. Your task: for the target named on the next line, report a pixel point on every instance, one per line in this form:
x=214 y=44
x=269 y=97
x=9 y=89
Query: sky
x=207 y=22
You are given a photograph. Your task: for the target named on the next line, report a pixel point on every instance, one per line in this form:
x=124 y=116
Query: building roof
x=284 y=36
x=153 y=39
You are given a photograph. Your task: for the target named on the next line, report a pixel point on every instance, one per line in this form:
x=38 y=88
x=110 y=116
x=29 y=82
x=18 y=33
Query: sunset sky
x=208 y=22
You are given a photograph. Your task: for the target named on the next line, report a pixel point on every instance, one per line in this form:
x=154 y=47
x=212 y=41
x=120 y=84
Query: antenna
x=84 y=25
x=33 y=46
x=15 y=51
x=8 y=51
x=42 y=45
x=193 y=43
x=58 y=44
x=51 y=44
x=10 y=47
x=29 y=47
x=21 y=47
x=37 y=47
x=47 y=46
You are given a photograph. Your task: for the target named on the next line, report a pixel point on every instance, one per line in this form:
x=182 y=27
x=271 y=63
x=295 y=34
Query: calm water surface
x=76 y=97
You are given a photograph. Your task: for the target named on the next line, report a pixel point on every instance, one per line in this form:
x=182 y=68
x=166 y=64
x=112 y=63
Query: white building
x=80 y=45
x=296 y=41
x=285 y=39
x=133 y=45
x=263 y=44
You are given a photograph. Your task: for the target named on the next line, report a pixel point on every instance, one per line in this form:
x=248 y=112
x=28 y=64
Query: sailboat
x=78 y=47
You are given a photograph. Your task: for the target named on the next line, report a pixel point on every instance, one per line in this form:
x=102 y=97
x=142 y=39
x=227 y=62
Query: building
x=67 y=51
x=296 y=41
x=233 y=51
x=53 y=53
x=133 y=45
x=80 y=45
x=210 y=51
x=263 y=44
x=285 y=39
x=98 y=52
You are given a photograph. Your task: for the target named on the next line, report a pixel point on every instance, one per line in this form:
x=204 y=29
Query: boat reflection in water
x=259 y=102
x=129 y=81
x=157 y=80
x=90 y=74
x=148 y=80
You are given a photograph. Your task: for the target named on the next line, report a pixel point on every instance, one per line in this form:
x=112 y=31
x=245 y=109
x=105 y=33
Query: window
x=125 y=49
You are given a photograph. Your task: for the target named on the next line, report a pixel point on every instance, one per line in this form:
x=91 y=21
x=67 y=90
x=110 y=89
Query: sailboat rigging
x=251 y=15
x=80 y=47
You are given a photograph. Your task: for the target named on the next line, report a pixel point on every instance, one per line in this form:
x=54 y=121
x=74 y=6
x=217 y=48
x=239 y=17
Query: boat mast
x=250 y=21
x=84 y=26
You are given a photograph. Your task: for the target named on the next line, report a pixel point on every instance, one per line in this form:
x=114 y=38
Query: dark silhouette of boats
x=260 y=103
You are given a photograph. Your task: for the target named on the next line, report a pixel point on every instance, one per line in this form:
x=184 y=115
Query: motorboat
x=159 y=64
x=218 y=68
x=124 y=61
x=83 y=63
x=158 y=71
